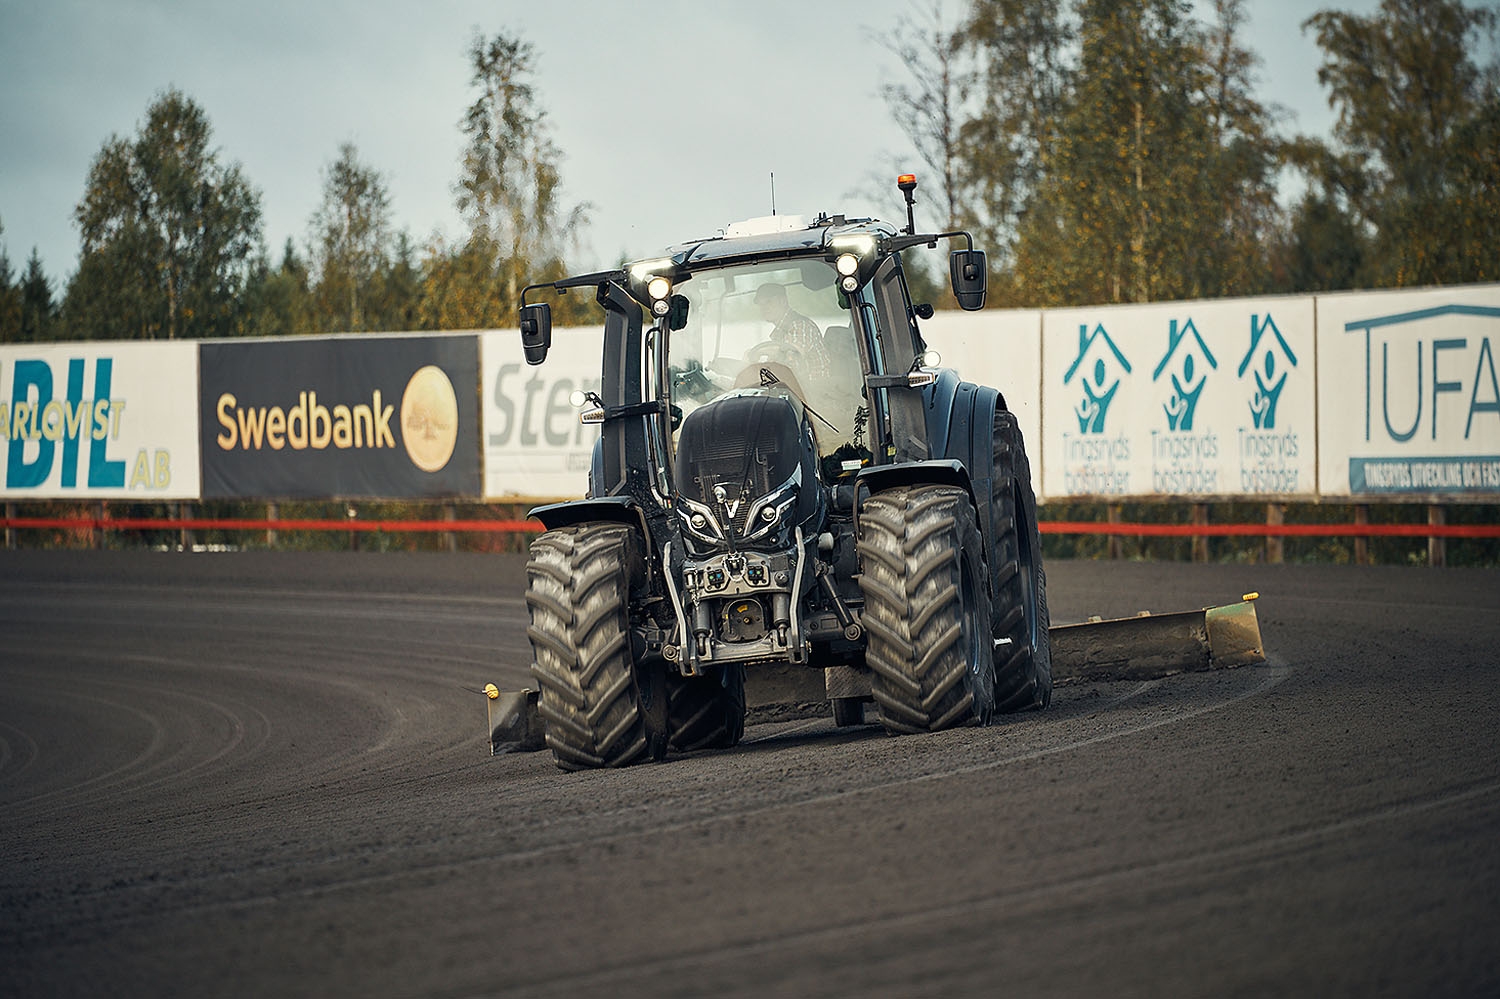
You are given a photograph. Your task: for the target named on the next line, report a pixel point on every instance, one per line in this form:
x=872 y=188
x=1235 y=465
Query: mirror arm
x=581 y=281
x=895 y=244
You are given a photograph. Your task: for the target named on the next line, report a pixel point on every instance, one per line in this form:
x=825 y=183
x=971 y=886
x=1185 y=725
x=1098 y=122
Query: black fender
x=934 y=471
x=616 y=509
x=961 y=427
x=610 y=509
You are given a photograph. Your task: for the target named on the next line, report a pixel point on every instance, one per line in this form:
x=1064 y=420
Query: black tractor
x=784 y=480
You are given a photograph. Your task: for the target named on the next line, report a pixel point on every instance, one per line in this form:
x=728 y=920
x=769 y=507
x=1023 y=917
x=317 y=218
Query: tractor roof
x=774 y=237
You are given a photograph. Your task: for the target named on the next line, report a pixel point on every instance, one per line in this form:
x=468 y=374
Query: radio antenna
x=773 y=192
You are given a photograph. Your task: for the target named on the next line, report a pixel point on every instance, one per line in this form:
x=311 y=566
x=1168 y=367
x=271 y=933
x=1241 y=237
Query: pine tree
x=38 y=311
x=10 y=298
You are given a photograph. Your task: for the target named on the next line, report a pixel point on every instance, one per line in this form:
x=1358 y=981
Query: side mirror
x=677 y=312
x=536 y=331
x=969 y=274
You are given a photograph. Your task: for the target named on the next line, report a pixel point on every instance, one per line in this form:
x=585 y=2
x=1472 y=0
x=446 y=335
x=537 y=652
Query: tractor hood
x=746 y=471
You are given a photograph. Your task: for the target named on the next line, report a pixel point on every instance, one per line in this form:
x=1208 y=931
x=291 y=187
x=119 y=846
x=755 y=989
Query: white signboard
x=1183 y=399
x=1001 y=349
x=1410 y=398
x=534 y=447
x=99 y=421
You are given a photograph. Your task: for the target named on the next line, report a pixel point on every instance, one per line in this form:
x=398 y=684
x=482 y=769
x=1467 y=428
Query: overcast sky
x=672 y=114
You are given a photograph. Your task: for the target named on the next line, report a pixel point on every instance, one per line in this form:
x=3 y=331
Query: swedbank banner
x=345 y=417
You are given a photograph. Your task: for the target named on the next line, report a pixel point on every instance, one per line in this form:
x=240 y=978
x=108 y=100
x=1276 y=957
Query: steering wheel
x=693 y=383
x=774 y=350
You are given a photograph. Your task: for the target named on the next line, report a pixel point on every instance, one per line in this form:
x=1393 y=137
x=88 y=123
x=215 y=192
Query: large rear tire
x=706 y=712
x=578 y=590
x=926 y=604
x=1023 y=666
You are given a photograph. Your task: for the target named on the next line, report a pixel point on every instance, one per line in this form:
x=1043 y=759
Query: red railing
x=528 y=526
x=246 y=524
x=1272 y=530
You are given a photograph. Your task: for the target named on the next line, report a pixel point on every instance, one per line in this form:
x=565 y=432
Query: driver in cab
x=794 y=330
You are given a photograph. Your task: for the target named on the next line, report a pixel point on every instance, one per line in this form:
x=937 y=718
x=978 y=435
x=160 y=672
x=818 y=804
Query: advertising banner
x=534 y=446
x=1182 y=399
x=99 y=421
x=1004 y=351
x=377 y=417
x=1410 y=399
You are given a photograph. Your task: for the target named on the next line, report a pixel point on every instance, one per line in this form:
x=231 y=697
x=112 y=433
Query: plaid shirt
x=797 y=331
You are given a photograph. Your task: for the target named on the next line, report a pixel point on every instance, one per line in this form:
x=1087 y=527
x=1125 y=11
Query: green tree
x=168 y=233
x=509 y=193
x=1321 y=250
x=1245 y=156
x=1159 y=183
x=396 y=293
x=351 y=232
x=10 y=298
x=929 y=109
x=279 y=300
x=1417 y=123
x=1008 y=144
x=38 y=310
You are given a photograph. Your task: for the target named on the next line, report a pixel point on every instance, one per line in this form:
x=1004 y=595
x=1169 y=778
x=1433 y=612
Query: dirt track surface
x=260 y=774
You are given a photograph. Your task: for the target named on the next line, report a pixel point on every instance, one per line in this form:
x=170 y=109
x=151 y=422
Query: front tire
x=578 y=591
x=927 y=604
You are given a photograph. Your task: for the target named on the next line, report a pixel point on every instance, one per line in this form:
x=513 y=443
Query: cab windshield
x=759 y=324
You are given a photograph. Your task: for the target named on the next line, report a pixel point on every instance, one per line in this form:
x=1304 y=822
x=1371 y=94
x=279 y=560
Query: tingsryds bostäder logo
x=1189 y=377
x=1093 y=408
x=1263 y=365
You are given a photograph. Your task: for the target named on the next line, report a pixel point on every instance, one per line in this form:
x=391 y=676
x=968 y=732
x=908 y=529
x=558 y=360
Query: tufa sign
x=1418 y=372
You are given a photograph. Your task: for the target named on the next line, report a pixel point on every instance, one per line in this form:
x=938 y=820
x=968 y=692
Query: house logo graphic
x=1107 y=360
x=1187 y=388
x=1268 y=384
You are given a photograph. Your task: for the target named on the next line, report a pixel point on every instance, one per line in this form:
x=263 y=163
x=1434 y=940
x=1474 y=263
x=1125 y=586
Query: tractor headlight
x=651 y=284
x=700 y=522
x=772 y=510
x=660 y=291
x=853 y=259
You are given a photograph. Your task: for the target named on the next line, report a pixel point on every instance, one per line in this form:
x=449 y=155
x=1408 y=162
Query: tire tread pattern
x=911 y=541
x=578 y=593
